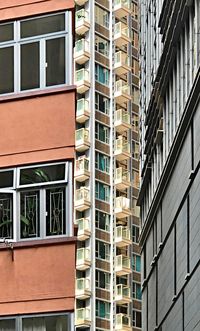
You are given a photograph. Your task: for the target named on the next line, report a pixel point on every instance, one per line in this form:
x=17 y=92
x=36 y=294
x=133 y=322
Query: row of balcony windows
x=83 y=318
x=82 y=202
x=122 y=123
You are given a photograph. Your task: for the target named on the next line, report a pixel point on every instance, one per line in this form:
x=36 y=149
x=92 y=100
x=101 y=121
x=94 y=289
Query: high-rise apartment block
x=170 y=161
x=108 y=291
x=37 y=144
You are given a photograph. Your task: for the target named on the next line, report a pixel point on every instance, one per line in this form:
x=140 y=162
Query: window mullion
x=42 y=63
x=43 y=211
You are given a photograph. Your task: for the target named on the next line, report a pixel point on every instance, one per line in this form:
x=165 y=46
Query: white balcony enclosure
x=82 y=199
x=82 y=22
x=82 y=172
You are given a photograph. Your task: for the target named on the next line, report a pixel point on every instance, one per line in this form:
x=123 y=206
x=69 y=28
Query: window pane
x=43 y=25
x=6 y=179
x=55 y=61
x=29 y=218
x=7 y=325
x=6 y=32
x=47 y=323
x=6 y=70
x=138 y=263
x=30 y=71
x=55 y=208
x=6 y=215
x=42 y=174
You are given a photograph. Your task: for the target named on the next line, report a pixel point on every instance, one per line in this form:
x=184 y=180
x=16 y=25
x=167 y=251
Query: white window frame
x=17 y=42
x=41 y=187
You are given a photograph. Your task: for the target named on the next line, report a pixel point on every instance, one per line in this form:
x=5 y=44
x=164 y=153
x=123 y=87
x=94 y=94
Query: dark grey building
x=170 y=164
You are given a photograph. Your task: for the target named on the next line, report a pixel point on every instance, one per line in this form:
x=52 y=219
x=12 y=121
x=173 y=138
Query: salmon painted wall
x=39 y=279
x=36 y=129
x=12 y=9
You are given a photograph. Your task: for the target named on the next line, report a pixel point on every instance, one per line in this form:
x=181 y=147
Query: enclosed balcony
x=82 y=110
x=123 y=322
x=83 y=290
x=122 y=294
x=80 y=2
x=83 y=259
x=82 y=140
x=122 y=149
x=83 y=229
x=122 y=120
x=82 y=22
x=82 y=80
x=122 y=179
x=122 y=8
x=122 y=265
x=122 y=207
x=122 y=92
x=82 y=199
x=81 y=51
x=82 y=317
x=122 y=63
x=122 y=236
x=121 y=34
x=82 y=172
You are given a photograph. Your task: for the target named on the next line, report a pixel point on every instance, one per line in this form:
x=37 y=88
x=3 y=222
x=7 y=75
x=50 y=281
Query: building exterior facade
x=108 y=292
x=37 y=139
x=170 y=177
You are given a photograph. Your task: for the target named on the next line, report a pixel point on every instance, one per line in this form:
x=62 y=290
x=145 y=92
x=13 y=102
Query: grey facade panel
x=192 y=303
x=181 y=247
x=195 y=222
x=149 y=252
x=197 y=136
x=177 y=185
x=152 y=301
x=166 y=278
x=144 y=310
x=174 y=319
x=159 y=227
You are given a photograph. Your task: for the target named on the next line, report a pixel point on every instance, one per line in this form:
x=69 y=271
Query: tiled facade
x=37 y=138
x=169 y=194
x=108 y=291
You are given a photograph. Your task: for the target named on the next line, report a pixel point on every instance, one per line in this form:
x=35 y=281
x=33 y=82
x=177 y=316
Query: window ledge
x=38 y=243
x=36 y=93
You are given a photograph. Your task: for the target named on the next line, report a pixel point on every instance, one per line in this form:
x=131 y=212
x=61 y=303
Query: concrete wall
x=178 y=259
x=38 y=128
x=39 y=278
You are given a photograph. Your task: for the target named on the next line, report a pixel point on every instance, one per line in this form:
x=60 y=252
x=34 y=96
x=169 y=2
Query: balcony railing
x=82 y=21
x=123 y=322
x=83 y=290
x=122 y=294
x=122 y=87
x=122 y=120
x=122 y=63
x=82 y=199
x=82 y=139
x=122 y=265
x=123 y=234
x=81 y=51
x=122 y=4
x=121 y=34
x=82 y=80
x=83 y=259
x=83 y=228
x=82 y=110
x=122 y=175
x=122 y=149
x=122 y=203
x=83 y=317
x=82 y=172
